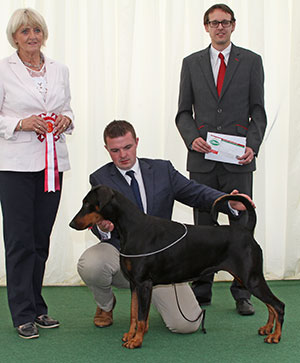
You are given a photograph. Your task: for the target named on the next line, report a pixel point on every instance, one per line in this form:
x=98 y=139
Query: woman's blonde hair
x=25 y=16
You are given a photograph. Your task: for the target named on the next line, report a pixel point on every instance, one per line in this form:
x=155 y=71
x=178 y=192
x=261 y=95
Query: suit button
x=219 y=110
x=219 y=128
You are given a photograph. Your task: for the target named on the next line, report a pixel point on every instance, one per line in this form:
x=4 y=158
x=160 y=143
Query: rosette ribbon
x=51 y=166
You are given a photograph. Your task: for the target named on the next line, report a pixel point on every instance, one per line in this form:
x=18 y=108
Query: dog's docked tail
x=218 y=207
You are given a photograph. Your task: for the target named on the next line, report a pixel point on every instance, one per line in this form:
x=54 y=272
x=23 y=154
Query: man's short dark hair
x=118 y=128
x=222 y=7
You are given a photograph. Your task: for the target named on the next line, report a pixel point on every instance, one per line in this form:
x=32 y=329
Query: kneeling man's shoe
x=244 y=307
x=28 y=331
x=103 y=319
x=45 y=321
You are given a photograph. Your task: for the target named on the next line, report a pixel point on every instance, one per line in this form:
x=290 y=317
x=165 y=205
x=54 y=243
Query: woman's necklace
x=27 y=64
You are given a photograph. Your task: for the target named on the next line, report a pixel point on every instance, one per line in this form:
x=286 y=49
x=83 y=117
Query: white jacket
x=19 y=99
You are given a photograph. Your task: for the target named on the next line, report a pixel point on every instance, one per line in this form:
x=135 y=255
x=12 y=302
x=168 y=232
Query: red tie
x=221 y=74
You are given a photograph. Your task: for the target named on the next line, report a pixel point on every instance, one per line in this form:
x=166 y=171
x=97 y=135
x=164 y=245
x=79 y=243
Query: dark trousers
x=28 y=217
x=226 y=182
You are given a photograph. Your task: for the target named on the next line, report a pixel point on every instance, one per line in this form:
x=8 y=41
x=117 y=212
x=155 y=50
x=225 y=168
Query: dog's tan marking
x=133 y=319
x=267 y=329
x=128 y=264
x=88 y=219
x=134 y=337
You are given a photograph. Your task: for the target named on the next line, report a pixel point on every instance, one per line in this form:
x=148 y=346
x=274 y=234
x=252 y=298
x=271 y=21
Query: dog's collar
x=162 y=249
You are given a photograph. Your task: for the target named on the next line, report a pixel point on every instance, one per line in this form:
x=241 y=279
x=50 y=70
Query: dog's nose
x=73 y=224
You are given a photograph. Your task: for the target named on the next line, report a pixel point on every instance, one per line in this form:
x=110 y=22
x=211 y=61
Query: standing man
x=221 y=90
x=159 y=186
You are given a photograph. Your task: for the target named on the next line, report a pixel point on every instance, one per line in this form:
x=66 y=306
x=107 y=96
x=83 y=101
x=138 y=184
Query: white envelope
x=225 y=148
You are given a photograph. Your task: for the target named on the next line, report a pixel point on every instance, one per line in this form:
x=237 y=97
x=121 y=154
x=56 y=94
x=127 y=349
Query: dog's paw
x=273 y=339
x=265 y=330
x=133 y=343
x=128 y=336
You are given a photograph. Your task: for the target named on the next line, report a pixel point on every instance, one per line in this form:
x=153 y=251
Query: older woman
x=35 y=115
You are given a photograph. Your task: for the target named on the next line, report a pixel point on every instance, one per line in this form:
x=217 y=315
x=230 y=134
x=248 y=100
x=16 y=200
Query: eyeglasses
x=215 y=23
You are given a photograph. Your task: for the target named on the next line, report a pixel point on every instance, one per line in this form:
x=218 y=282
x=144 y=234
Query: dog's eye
x=90 y=207
x=86 y=205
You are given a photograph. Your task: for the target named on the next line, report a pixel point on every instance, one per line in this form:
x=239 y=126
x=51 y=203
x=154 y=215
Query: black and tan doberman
x=147 y=260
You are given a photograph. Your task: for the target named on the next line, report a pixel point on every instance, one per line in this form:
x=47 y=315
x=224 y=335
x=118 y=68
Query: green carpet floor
x=230 y=337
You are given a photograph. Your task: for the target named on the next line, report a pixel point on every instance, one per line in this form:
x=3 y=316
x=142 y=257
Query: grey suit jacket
x=238 y=111
x=163 y=185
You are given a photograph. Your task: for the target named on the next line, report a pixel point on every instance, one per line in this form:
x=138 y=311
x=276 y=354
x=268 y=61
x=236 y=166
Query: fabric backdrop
x=125 y=58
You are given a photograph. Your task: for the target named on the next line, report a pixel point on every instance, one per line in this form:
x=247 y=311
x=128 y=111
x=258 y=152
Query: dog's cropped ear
x=104 y=195
x=107 y=202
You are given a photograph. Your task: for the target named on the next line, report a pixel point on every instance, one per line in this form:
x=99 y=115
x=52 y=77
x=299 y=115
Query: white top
x=40 y=80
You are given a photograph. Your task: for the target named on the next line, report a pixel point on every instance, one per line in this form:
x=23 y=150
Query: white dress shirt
x=139 y=178
x=216 y=61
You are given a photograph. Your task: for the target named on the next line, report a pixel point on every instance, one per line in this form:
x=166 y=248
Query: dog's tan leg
x=142 y=325
x=267 y=329
x=276 y=336
x=133 y=318
x=147 y=325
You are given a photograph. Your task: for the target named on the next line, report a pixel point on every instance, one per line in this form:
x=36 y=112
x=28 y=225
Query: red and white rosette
x=51 y=166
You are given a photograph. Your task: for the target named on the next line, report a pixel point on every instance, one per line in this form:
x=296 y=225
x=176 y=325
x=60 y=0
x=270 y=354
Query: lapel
x=118 y=180
x=24 y=77
x=120 y=183
x=51 y=74
x=233 y=63
x=148 y=179
x=205 y=64
x=21 y=72
x=123 y=187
